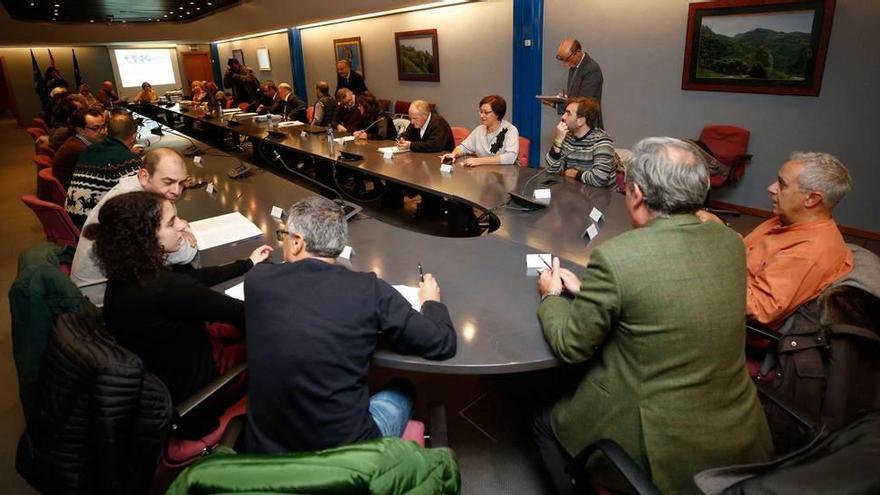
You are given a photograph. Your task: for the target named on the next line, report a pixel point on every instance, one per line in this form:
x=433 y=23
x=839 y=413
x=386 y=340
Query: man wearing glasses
x=90 y=127
x=584 y=74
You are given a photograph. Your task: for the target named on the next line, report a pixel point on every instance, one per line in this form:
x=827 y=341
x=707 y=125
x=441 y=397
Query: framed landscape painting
x=418 y=58
x=757 y=46
x=350 y=49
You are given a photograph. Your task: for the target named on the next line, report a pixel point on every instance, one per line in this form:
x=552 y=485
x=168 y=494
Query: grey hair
x=670 y=181
x=320 y=223
x=823 y=173
x=421 y=107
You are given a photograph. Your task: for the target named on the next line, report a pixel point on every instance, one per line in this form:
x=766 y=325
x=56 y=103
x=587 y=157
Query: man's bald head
x=164 y=172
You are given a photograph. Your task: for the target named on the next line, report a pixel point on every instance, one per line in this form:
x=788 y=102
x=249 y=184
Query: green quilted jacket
x=382 y=466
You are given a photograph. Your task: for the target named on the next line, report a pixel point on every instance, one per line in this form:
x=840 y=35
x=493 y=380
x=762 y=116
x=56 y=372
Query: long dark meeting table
x=483 y=279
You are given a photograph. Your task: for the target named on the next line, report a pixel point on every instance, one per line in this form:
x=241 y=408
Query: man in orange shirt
x=792 y=257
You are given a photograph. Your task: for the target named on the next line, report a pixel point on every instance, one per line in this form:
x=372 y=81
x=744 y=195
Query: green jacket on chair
x=382 y=466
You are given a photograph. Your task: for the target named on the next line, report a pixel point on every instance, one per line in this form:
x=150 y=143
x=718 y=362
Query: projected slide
x=146 y=65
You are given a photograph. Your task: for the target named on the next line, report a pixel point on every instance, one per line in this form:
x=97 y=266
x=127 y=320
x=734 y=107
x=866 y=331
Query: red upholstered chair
x=42 y=161
x=729 y=145
x=35 y=132
x=38 y=122
x=401 y=108
x=49 y=188
x=310 y=114
x=459 y=134
x=523 y=157
x=57 y=225
x=45 y=149
x=385 y=105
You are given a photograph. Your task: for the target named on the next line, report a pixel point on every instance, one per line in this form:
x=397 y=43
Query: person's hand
x=561 y=131
x=261 y=253
x=429 y=290
x=705 y=216
x=471 y=162
x=341 y=128
x=549 y=281
x=447 y=156
x=360 y=134
x=570 y=281
x=571 y=172
x=403 y=144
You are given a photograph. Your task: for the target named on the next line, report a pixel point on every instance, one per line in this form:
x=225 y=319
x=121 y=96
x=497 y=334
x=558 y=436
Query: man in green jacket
x=660 y=325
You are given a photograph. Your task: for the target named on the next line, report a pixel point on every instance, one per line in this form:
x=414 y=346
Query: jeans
x=391 y=408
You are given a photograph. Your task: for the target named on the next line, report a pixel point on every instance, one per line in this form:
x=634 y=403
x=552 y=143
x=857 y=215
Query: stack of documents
x=391 y=149
x=224 y=229
x=411 y=294
x=290 y=123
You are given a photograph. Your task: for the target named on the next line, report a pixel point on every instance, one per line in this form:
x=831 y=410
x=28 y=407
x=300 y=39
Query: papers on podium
x=411 y=294
x=223 y=229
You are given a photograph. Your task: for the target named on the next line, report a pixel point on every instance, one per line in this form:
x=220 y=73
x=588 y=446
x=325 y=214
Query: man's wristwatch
x=551 y=293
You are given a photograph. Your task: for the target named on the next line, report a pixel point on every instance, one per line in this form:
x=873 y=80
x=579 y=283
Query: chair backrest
x=310 y=114
x=523 y=156
x=401 y=107
x=45 y=149
x=400 y=125
x=57 y=225
x=459 y=134
x=39 y=122
x=729 y=144
x=42 y=161
x=385 y=105
x=35 y=132
x=49 y=188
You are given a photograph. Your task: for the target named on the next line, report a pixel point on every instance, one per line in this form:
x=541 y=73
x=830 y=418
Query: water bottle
x=330 y=134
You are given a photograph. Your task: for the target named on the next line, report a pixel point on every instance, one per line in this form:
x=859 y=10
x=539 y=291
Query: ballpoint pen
x=545 y=261
x=421 y=273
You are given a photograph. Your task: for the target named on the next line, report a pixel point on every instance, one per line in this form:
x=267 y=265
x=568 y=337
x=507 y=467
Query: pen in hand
x=421 y=273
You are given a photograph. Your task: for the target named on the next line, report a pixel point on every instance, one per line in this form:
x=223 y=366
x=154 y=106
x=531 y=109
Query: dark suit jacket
x=585 y=80
x=438 y=136
x=292 y=107
x=355 y=82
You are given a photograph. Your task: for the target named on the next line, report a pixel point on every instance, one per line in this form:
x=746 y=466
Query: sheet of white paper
x=411 y=294
x=535 y=260
x=595 y=214
x=236 y=291
x=542 y=193
x=223 y=229
x=392 y=149
x=245 y=115
x=344 y=139
x=290 y=123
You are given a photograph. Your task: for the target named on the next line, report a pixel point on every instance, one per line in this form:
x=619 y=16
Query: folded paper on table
x=236 y=291
x=391 y=149
x=290 y=123
x=223 y=229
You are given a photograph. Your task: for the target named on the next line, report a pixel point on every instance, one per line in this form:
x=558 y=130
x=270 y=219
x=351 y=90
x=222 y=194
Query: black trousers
x=554 y=455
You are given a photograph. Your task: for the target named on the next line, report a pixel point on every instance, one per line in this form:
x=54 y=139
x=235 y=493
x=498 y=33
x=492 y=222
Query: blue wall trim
x=215 y=61
x=297 y=63
x=528 y=24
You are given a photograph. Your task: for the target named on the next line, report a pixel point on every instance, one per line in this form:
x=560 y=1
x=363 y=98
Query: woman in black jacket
x=158 y=312
x=375 y=123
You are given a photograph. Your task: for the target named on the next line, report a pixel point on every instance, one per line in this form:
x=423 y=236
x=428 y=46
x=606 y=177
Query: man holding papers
x=163 y=172
x=312 y=328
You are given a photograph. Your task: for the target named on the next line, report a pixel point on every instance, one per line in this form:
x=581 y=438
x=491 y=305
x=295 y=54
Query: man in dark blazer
x=347 y=78
x=660 y=326
x=287 y=104
x=428 y=132
x=584 y=75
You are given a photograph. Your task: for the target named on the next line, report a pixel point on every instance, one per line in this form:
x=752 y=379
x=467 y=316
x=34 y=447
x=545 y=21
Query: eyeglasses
x=565 y=58
x=281 y=234
x=96 y=128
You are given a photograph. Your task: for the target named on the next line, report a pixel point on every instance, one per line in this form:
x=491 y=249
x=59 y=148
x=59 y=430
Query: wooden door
x=7 y=97
x=196 y=67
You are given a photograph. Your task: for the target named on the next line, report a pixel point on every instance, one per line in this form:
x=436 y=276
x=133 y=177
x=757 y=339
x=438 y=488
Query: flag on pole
x=51 y=59
x=77 y=77
x=39 y=83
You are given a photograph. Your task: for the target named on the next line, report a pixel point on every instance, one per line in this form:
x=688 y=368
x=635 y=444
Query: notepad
x=411 y=294
x=236 y=291
x=223 y=229
x=290 y=123
x=391 y=149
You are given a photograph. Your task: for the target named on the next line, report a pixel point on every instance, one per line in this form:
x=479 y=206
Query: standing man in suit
x=584 y=75
x=347 y=78
x=428 y=132
x=661 y=328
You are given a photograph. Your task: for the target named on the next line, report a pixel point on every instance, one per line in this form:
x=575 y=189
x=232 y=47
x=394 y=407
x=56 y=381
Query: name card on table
x=387 y=154
x=591 y=232
x=303 y=134
x=210 y=188
x=595 y=215
x=542 y=193
x=446 y=168
x=347 y=252
x=276 y=212
x=197 y=160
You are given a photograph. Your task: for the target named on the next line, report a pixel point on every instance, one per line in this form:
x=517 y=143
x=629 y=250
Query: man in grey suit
x=584 y=74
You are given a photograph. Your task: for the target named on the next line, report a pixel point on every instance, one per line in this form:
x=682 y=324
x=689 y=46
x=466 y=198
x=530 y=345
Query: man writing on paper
x=428 y=132
x=309 y=344
x=661 y=327
x=163 y=172
x=581 y=150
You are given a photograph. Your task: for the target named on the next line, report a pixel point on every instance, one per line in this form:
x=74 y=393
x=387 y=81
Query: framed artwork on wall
x=757 y=46
x=350 y=49
x=418 y=57
x=238 y=54
x=263 y=62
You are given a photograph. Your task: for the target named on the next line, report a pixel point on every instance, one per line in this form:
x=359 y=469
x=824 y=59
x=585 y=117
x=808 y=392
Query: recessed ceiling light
x=181 y=8
x=91 y=20
x=198 y=8
x=166 y=15
x=57 y=5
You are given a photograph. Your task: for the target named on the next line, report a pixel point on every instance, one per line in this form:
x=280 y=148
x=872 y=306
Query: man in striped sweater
x=581 y=150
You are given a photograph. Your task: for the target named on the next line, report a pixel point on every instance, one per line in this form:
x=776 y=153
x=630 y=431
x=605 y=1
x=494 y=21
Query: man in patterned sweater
x=101 y=166
x=581 y=150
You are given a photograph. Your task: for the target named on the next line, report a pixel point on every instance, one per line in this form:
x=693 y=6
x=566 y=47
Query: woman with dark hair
x=375 y=124
x=157 y=312
x=494 y=142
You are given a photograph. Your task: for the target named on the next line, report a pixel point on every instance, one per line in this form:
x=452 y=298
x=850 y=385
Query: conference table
x=483 y=280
